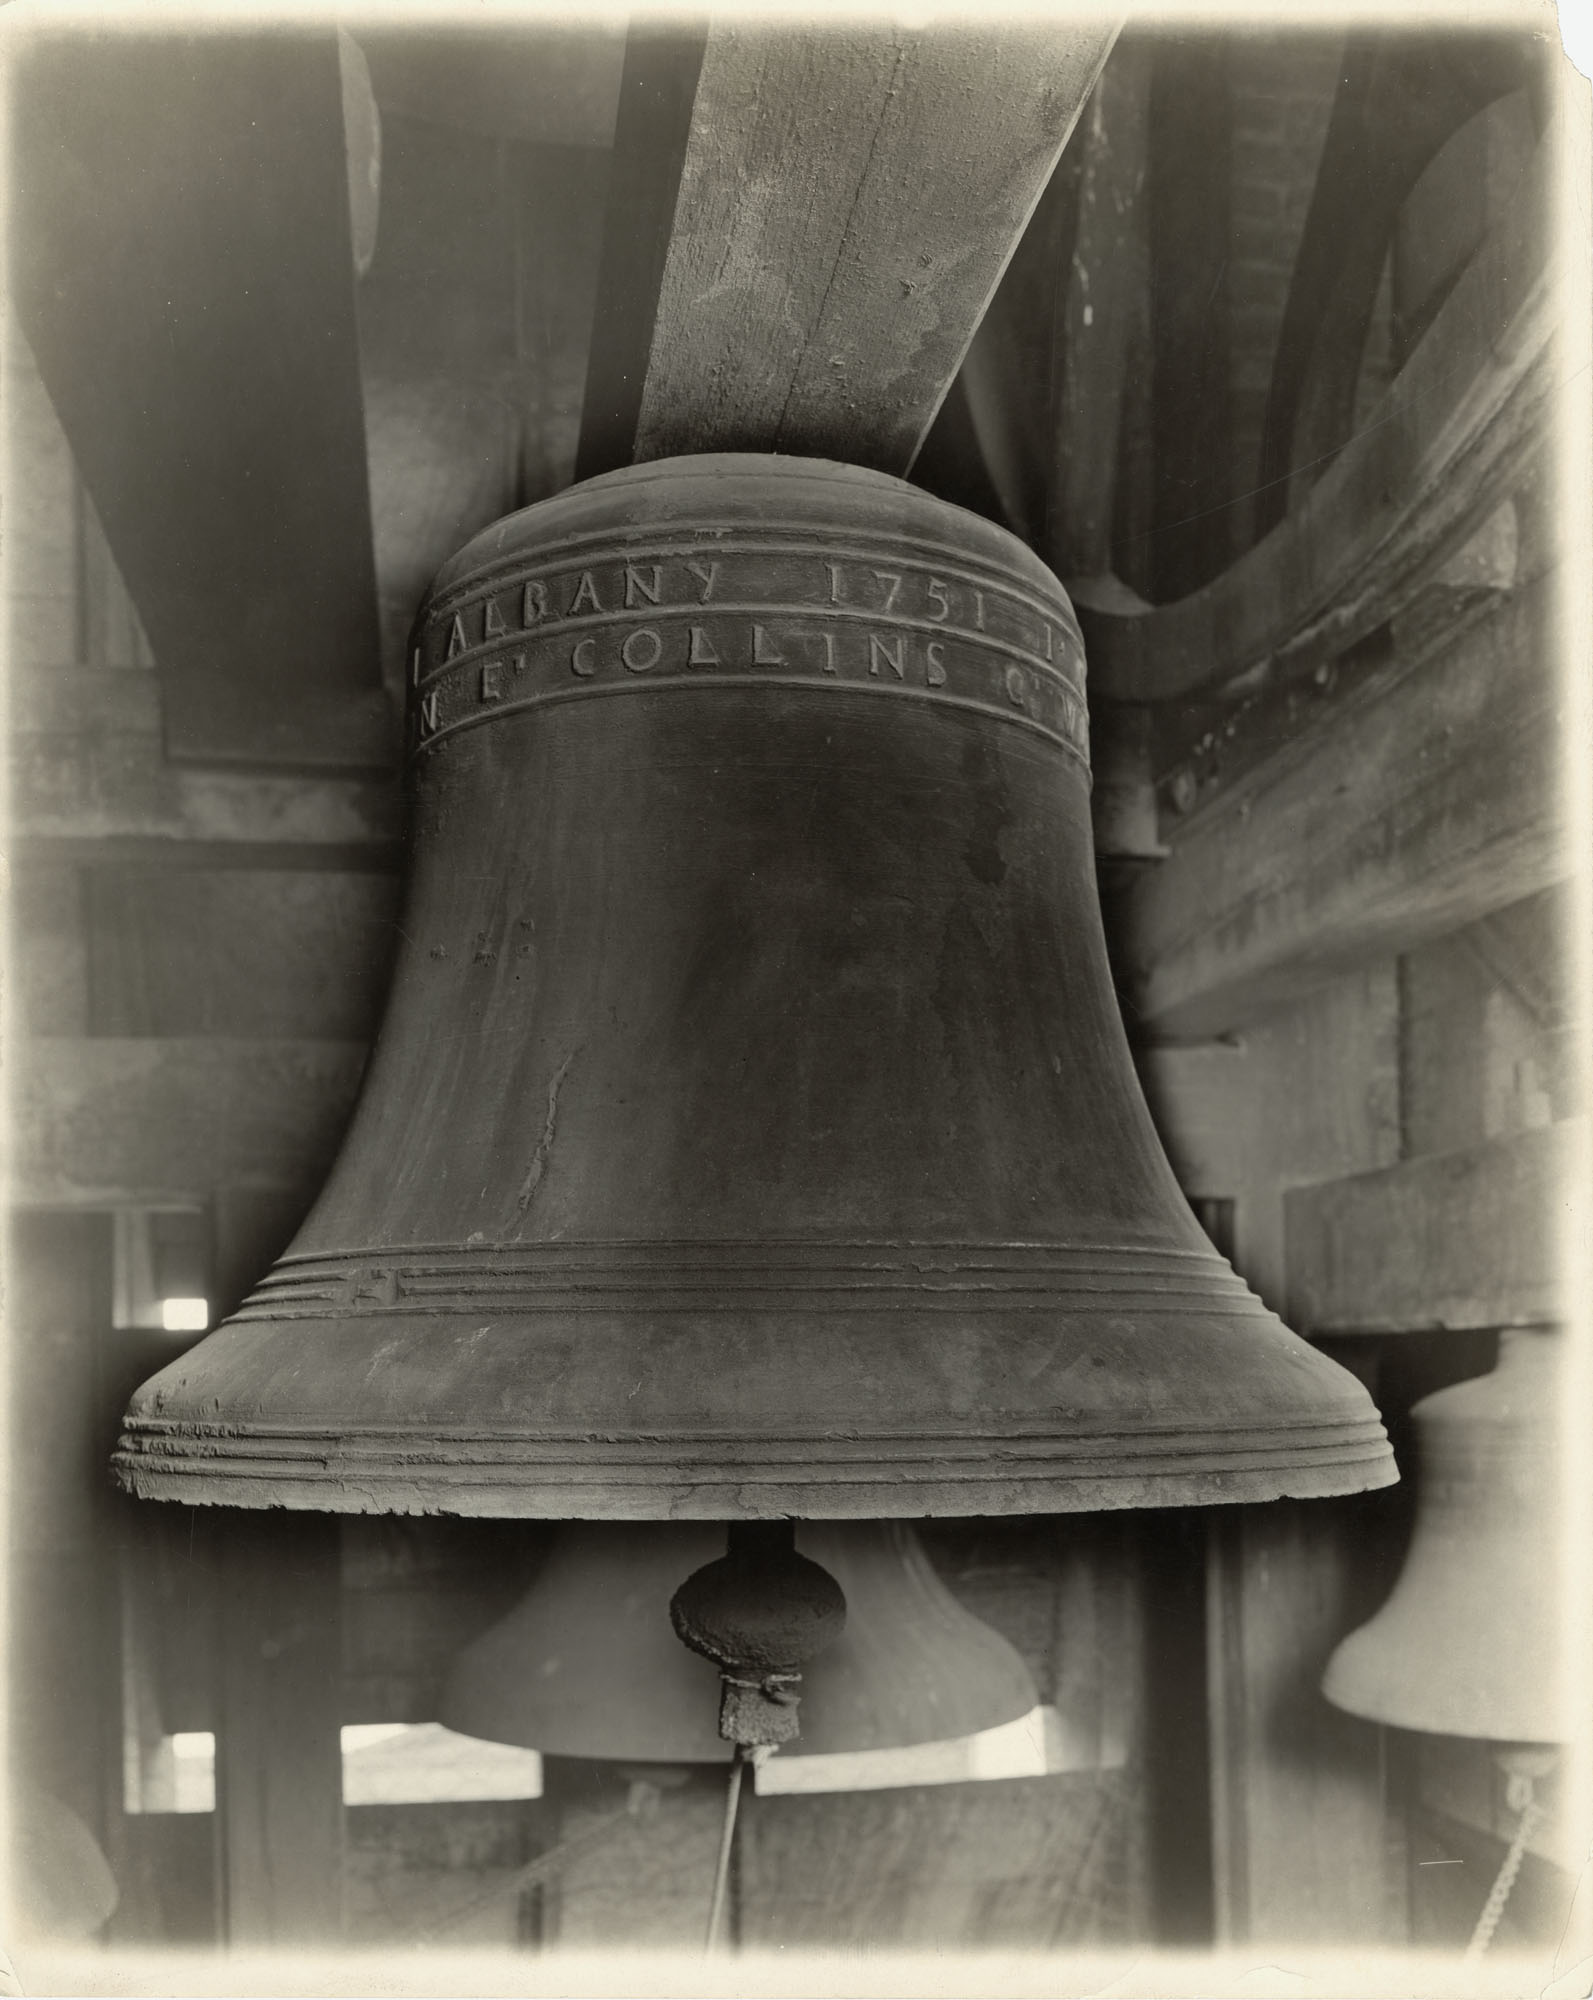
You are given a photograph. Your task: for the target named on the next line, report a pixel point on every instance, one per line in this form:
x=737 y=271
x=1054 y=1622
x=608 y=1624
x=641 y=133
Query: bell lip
x=1403 y=1707
x=202 y=1472
x=526 y=531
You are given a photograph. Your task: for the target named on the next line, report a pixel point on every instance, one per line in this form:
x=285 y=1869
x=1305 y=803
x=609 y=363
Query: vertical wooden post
x=1298 y=1789
x=60 y=1694
x=279 y=1789
x=658 y=87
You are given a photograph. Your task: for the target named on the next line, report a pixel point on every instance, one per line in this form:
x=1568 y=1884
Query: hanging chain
x=1532 y=1816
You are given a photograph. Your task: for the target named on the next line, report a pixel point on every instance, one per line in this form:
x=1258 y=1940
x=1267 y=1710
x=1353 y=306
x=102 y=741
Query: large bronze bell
x=1477 y=1638
x=586 y=1665
x=752 y=1132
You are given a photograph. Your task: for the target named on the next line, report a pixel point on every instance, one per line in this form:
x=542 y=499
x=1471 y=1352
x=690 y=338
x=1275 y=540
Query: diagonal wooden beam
x=848 y=200
x=1455 y=430
x=183 y=268
x=1400 y=97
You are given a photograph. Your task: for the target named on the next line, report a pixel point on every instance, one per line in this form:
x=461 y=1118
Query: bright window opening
x=384 y=1763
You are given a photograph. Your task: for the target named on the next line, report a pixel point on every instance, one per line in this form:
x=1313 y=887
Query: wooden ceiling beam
x=1466 y=1238
x=182 y=265
x=847 y=200
x=1428 y=800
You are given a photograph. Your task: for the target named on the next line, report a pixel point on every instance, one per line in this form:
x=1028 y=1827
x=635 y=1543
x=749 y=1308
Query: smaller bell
x=587 y=1664
x=1473 y=1641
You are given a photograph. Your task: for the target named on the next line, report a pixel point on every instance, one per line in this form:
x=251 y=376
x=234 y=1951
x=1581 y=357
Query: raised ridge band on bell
x=726 y=1277
x=865 y=1475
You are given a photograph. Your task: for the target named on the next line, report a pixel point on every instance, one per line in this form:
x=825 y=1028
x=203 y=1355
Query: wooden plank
x=49 y=958
x=1457 y=428
x=1473 y=179
x=182 y=264
x=279 y=1770
x=1299 y=1833
x=645 y=1882
x=59 y=1288
x=1010 y=1864
x=1176 y=1755
x=663 y=61
x=300 y=954
x=39 y=557
x=101 y=1122
x=1104 y=307
x=1195 y=530
x=563 y=197
x=1310 y=1094
x=1489 y=1042
x=1426 y=801
x=1468 y=1238
x=1399 y=98
x=89 y=781
x=848 y=201
x=1296 y=1831
x=447 y=1875
x=63 y=1655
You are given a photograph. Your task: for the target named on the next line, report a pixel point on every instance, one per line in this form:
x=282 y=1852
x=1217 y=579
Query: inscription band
x=699 y=683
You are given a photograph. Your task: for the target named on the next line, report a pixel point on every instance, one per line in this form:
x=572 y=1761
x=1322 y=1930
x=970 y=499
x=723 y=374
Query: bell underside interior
x=751 y=1131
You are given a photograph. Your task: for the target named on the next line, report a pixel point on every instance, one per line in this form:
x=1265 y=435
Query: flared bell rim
x=1382 y=1673
x=1072 y=1415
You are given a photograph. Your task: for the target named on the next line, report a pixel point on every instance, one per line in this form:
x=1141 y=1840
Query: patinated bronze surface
x=1476 y=1638
x=586 y=1664
x=752 y=1131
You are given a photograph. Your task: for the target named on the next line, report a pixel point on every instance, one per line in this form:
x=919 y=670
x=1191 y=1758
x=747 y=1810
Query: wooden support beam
x=848 y=200
x=1456 y=430
x=98 y=1123
x=1400 y=97
x=1103 y=318
x=182 y=265
x=1468 y=1238
x=658 y=84
x=1425 y=802
x=279 y=1773
x=1194 y=528
x=1302 y=1845
x=90 y=783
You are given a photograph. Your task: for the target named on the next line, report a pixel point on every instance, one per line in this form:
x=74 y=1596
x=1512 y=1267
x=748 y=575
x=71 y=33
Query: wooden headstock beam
x=847 y=200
